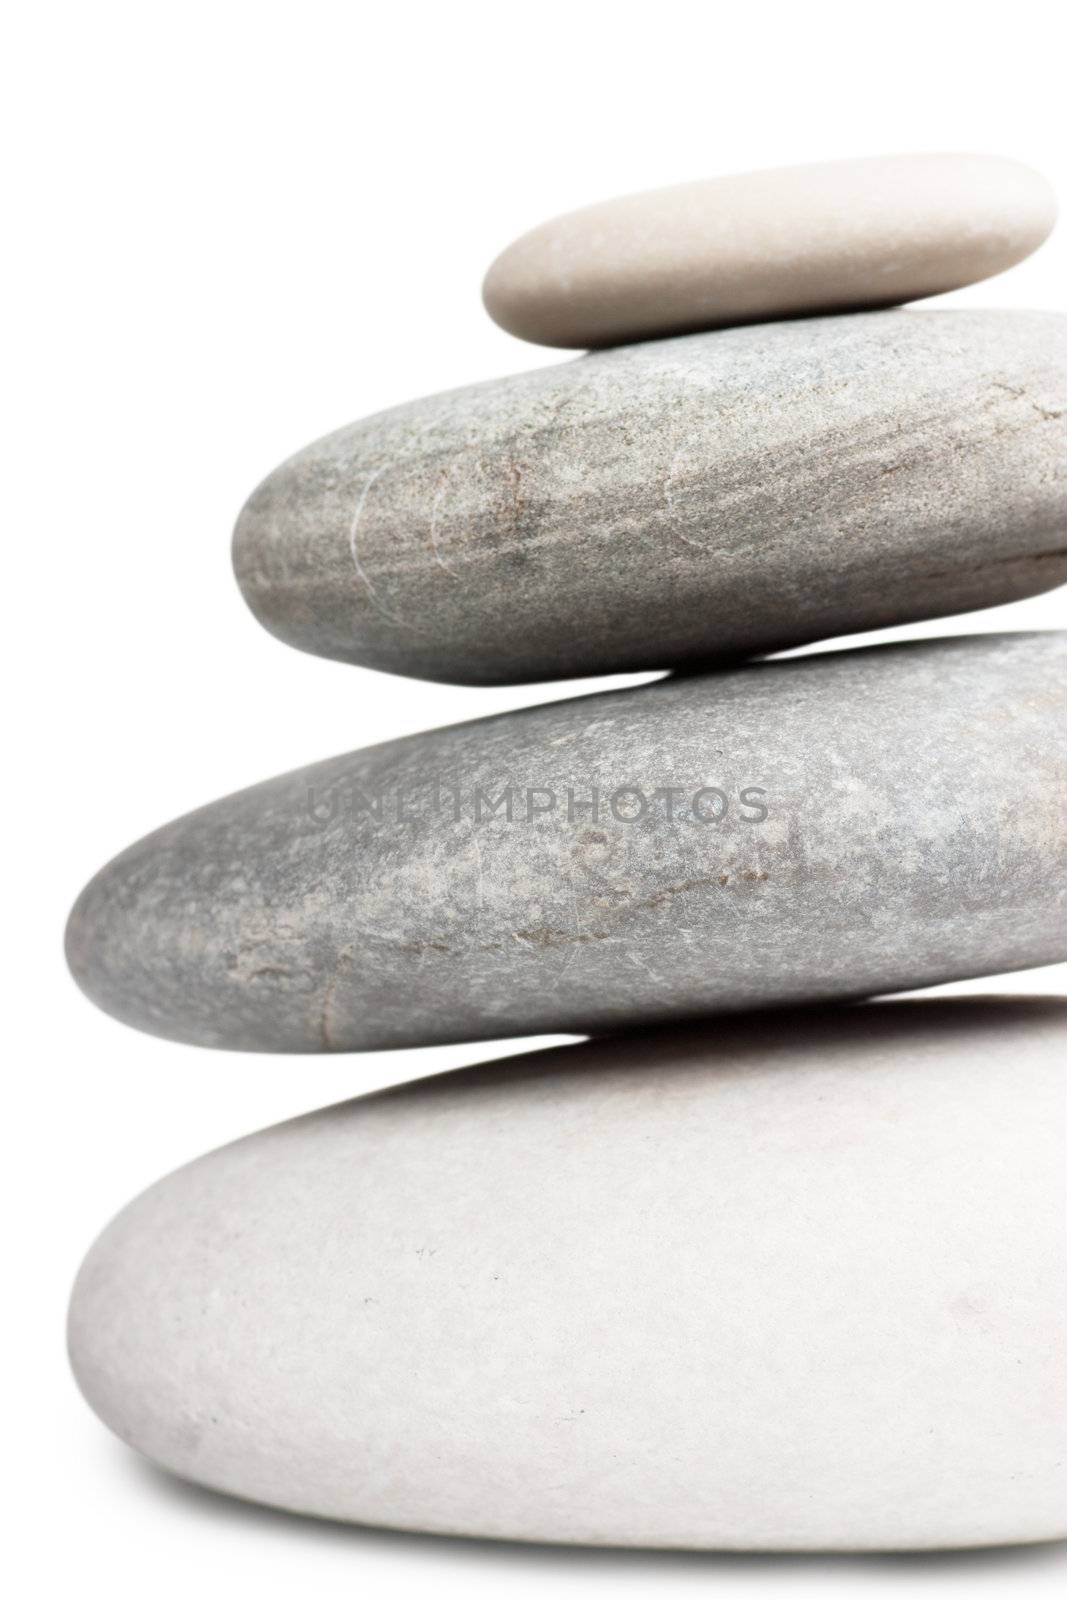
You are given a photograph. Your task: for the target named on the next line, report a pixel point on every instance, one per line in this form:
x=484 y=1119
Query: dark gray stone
x=911 y=828
x=672 y=502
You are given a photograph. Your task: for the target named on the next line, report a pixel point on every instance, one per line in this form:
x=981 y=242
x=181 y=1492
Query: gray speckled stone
x=671 y=502
x=915 y=831
x=789 y=1283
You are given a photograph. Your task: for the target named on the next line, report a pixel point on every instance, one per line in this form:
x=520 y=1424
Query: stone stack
x=728 y=1276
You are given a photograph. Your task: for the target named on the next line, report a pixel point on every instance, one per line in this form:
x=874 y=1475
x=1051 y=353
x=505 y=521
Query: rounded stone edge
x=91 y=1378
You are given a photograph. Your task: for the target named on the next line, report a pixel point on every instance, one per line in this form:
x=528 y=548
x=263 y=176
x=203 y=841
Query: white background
x=233 y=227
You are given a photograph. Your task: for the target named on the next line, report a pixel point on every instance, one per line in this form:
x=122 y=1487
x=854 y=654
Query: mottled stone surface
x=856 y=822
x=788 y=1283
x=669 y=503
x=761 y=245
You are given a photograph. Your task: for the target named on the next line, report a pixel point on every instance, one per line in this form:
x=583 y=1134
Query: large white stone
x=789 y=1283
x=761 y=245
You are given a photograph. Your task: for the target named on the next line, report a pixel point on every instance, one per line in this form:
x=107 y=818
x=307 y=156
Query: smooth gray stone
x=913 y=830
x=673 y=502
x=793 y=1283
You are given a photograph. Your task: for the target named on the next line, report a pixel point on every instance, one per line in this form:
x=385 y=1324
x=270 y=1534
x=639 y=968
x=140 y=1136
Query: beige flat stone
x=764 y=245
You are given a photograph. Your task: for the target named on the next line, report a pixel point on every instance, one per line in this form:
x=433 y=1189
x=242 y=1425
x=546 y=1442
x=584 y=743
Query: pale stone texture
x=762 y=245
x=669 y=503
x=915 y=831
x=789 y=1283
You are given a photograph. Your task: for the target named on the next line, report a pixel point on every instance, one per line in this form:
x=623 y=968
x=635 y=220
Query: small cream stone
x=764 y=245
